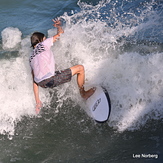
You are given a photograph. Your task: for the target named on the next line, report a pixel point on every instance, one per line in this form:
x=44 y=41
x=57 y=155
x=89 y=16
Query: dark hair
x=36 y=38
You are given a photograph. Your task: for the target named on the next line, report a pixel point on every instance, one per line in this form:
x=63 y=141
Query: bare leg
x=79 y=70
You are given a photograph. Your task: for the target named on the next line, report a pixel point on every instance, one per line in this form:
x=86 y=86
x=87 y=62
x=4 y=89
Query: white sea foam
x=134 y=81
x=16 y=97
x=10 y=38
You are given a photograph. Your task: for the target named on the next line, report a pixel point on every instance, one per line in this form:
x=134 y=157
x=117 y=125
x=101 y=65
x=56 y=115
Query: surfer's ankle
x=87 y=94
x=82 y=91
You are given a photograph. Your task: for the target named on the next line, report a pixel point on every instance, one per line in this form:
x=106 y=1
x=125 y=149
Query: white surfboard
x=99 y=105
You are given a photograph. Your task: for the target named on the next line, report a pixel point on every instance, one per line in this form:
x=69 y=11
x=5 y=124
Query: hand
x=38 y=107
x=57 y=22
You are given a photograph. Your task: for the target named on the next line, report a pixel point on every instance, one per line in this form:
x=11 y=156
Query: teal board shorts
x=59 y=78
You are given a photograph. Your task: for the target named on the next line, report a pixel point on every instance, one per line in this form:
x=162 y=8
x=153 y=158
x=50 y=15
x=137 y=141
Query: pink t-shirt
x=42 y=60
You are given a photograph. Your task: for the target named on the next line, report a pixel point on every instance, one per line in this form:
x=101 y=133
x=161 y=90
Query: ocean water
x=120 y=44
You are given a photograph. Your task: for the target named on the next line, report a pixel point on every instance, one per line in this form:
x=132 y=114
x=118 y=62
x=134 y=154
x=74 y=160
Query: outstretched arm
x=57 y=24
x=36 y=94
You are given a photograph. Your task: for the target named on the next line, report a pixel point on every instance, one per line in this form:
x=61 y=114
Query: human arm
x=57 y=24
x=36 y=94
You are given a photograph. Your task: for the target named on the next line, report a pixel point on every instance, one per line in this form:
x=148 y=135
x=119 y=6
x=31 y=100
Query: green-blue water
x=120 y=44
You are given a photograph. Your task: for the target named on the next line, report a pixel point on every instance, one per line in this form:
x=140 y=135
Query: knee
x=81 y=68
x=78 y=69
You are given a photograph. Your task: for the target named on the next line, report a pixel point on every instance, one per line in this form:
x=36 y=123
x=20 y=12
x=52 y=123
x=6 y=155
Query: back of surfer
x=42 y=64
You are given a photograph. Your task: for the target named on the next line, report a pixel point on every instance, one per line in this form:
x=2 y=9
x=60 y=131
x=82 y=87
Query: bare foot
x=87 y=94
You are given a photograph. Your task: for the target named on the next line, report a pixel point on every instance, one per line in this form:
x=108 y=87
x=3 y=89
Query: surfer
x=43 y=70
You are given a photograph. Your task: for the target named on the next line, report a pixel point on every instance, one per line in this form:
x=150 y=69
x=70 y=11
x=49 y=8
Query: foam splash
x=134 y=81
x=11 y=37
x=16 y=98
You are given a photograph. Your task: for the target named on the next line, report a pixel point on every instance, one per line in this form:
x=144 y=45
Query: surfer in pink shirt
x=43 y=66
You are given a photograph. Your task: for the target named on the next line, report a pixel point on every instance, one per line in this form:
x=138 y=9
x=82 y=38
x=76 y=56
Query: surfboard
x=98 y=106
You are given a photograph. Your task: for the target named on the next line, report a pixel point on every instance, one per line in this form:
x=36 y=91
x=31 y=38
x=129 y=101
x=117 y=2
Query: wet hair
x=36 y=38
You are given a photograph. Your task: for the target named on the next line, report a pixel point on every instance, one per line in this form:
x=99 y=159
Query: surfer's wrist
x=39 y=103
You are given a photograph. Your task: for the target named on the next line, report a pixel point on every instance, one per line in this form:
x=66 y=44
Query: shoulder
x=48 y=41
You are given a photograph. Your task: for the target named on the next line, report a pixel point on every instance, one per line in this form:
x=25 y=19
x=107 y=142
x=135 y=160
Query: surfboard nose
x=99 y=105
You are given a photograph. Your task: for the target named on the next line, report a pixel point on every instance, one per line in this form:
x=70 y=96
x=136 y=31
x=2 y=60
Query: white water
x=134 y=81
x=16 y=97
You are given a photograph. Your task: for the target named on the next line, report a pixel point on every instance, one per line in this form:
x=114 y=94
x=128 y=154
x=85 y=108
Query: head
x=36 y=38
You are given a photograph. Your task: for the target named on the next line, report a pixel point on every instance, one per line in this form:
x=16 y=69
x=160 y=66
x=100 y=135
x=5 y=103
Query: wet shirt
x=42 y=61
